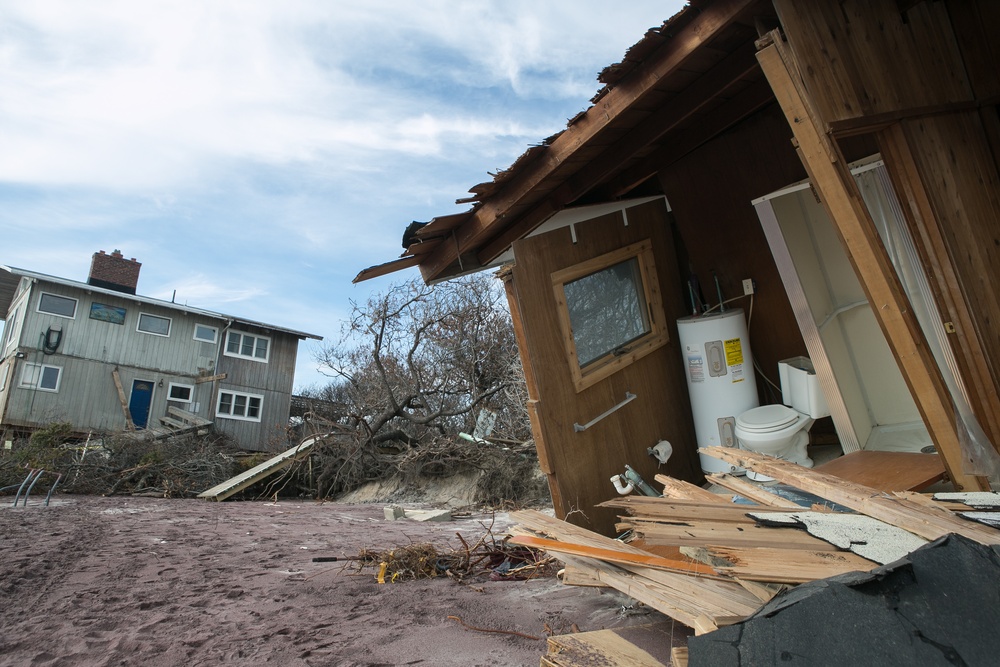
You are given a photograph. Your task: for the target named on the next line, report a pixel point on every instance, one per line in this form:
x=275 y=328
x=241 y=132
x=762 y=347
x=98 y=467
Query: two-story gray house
x=105 y=359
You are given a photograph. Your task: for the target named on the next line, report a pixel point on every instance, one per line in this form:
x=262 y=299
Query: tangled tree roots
x=122 y=464
x=507 y=474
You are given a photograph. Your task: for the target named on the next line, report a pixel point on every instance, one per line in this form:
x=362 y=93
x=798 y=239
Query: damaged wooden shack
x=828 y=173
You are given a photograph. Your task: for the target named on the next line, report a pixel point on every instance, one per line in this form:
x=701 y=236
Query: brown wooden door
x=579 y=464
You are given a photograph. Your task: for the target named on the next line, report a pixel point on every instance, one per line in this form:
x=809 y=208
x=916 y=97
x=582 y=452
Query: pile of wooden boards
x=707 y=561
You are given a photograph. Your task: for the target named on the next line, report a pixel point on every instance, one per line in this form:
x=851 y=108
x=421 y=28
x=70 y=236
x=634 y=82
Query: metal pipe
x=48 y=496
x=17 y=497
x=28 y=492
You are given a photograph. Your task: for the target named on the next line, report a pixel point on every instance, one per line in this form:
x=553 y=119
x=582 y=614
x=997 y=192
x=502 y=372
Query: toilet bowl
x=780 y=430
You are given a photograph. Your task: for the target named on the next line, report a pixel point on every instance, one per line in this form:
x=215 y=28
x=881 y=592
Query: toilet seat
x=767 y=419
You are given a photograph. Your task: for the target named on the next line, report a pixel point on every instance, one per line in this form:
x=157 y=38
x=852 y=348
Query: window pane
x=201 y=332
x=247 y=349
x=233 y=344
x=225 y=403
x=29 y=376
x=607 y=309
x=180 y=393
x=153 y=324
x=50 y=378
x=261 y=352
x=253 y=409
x=57 y=305
x=239 y=405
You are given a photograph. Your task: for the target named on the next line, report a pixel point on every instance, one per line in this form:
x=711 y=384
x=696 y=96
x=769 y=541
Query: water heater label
x=734 y=358
x=695 y=364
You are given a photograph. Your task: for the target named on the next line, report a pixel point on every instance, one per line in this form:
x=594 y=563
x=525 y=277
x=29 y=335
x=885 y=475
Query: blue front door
x=138 y=404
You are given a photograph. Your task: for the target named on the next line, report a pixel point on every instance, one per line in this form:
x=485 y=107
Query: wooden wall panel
x=710 y=192
x=866 y=57
x=950 y=188
x=581 y=463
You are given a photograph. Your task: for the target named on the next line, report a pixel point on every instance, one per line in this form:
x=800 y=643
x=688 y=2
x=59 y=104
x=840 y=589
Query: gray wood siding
x=91 y=349
x=87 y=338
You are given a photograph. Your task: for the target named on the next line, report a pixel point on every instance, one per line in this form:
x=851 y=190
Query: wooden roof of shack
x=683 y=83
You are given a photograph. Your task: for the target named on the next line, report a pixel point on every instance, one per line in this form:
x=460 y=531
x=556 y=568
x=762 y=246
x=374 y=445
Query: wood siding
x=579 y=464
x=91 y=349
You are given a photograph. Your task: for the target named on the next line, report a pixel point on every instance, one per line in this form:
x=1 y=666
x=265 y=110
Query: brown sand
x=139 y=581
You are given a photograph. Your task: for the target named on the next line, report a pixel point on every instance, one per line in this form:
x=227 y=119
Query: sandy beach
x=145 y=581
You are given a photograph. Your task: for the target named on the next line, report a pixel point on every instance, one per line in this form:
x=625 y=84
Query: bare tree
x=415 y=367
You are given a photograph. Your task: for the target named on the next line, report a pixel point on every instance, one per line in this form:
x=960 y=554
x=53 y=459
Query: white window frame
x=10 y=327
x=3 y=376
x=170 y=392
x=240 y=355
x=76 y=305
x=239 y=394
x=30 y=377
x=214 y=330
x=170 y=325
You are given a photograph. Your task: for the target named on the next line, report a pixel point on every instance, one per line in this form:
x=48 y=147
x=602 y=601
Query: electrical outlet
x=748 y=286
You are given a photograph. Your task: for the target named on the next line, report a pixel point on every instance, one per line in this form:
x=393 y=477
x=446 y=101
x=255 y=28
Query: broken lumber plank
x=683 y=600
x=674 y=509
x=679 y=656
x=613 y=646
x=580 y=576
x=244 y=479
x=701 y=533
x=677 y=593
x=615 y=556
x=678 y=488
x=751 y=491
x=788 y=567
x=874 y=503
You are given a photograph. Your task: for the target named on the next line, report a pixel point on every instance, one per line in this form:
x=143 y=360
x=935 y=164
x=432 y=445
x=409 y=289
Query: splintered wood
x=708 y=559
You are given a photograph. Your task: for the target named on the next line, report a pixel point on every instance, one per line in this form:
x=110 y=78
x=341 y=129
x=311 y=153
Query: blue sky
x=255 y=155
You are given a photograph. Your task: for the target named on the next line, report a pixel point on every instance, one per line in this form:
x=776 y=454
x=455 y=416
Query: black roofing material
x=938 y=606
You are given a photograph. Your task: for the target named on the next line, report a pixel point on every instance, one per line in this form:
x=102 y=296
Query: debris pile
x=711 y=560
x=489 y=557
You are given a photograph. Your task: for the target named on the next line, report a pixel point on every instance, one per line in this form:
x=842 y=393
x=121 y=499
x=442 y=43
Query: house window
x=237 y=405
x=205 y=333
x=41 y=377
x=244 y=345
x=53 y=304
x=610 y=312
x=153 y=324
x=9 y=326
x=180 y=392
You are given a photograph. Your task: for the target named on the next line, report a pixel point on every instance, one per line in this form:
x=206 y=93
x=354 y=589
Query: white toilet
x=779 y=430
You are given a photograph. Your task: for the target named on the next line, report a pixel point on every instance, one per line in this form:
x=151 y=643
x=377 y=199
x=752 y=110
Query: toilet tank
x=800 y=387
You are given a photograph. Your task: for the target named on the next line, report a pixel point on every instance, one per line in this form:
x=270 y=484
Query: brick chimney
x=114 y=272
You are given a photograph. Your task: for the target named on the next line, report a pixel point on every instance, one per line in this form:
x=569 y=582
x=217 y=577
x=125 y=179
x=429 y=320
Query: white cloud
x=258 y=153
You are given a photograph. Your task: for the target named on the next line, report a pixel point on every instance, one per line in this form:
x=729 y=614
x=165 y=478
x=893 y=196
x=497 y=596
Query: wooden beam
x=832 y=179
x=210 y=378
x=129 y=425
x=899 y=512
x=709 y=22
x=615 y=556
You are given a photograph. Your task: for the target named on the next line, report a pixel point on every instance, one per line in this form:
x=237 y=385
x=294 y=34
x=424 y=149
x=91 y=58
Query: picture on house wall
x=99 y=311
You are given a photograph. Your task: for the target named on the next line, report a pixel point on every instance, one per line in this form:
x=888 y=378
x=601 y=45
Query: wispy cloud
x=274 y=147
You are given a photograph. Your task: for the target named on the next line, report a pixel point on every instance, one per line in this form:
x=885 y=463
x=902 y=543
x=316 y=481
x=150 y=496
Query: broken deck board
x=259 y=472
x=899 y=512
x=648 y=645
x=774 y=565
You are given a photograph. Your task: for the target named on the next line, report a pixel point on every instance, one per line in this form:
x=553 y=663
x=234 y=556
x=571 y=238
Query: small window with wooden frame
x=610 y=312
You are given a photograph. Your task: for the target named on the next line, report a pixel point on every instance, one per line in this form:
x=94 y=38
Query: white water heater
x=720 y=378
